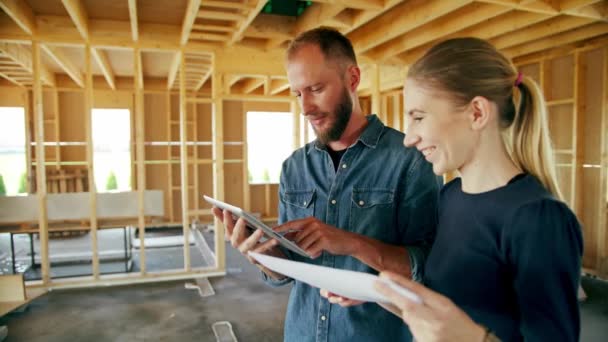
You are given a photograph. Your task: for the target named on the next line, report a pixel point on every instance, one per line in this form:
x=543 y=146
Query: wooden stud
x=140 y=157
x=293 y=106
x=602 y=246
x=169 y=166
x=57 y=123
x=183 y=129
x=28 y=139
x=195 y=154
x=218 y=157
x=375 y=90
x=578 y=158
x=40 y=168
x=246 y=185
x=88 y=112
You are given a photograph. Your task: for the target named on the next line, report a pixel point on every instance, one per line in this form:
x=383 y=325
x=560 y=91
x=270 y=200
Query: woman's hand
x=436 y=319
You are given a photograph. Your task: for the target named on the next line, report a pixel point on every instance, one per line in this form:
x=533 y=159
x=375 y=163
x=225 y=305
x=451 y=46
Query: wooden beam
x=602 y=246
x=244 y=24
x=401 y=19
x=79 y=16
x=375 y=90
x=565 y=5
x=139 y=68
x=475 y=13
x=23 y=57
x=57 y=55
x=173 y=69
x=10 y=79
x=218 y=15
x=21 y=13
x=133 y=19
x=368 y=15
x=278 y=86
x=315 y=15
x=251 y=85
x=546 y=28
x=102 y=60
x=217 y=148
x=543 y=6
x=571 y=36
x=203 y=80
x=224 y=4
x=189 y=18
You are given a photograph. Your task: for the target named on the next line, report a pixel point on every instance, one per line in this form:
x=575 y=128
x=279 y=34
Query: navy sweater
x=511 y=259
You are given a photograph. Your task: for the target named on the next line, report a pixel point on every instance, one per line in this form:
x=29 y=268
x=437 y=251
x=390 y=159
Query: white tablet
x=256 y=223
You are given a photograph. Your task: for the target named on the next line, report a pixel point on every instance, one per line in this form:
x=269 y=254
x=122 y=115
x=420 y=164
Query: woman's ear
x=481 y=112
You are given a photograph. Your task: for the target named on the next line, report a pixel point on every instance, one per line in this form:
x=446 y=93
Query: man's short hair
x=334 y=45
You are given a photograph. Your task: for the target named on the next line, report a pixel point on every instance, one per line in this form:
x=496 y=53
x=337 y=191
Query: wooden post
x=195 y=165
x=28 y=140
x=57 y=123
x=602 y=255
x=183 y=130
x=217 y=122
x=40 y=167
x=293 y=105
x=397 y=112
x=88 y=106
x=140 y=155
x=578 y=137
x=246 y=186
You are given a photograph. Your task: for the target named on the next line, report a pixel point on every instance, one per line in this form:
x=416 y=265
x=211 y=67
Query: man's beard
x=342 y=114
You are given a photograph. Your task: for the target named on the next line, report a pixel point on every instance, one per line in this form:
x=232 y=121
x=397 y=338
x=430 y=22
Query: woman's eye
x=417 y=118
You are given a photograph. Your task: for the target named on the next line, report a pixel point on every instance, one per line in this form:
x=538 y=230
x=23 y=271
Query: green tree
x=111 y=183
x=22 y=184
x=266 y=176
x=2 y=187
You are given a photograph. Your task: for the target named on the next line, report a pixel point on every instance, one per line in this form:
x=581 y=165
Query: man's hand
x=242 y=239
x=314 y=237
x=336 y=299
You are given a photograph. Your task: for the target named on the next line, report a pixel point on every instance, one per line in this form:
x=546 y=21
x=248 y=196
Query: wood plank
x=12 y=288
x=217 y=148
x=219 y=15
x=140 y=156
x=21 y=13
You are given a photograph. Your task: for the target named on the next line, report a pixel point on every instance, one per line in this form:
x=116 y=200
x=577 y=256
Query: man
x=356 y=197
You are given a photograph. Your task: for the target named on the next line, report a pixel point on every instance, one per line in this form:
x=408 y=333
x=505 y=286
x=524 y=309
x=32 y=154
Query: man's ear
x=481 y=112
x=353 y=77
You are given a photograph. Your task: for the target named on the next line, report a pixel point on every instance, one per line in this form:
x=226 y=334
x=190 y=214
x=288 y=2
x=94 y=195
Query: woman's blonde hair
x=469 y=67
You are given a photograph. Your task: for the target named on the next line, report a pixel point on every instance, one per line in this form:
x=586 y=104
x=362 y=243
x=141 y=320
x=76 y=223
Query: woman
x=506 y=260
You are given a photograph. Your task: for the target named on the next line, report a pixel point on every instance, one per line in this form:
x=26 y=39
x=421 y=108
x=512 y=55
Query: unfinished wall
x=575 y=87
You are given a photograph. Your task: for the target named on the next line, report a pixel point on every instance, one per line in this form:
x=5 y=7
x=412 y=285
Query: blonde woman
x=506 y=260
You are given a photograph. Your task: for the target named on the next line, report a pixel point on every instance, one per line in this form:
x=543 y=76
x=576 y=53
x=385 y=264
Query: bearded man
x=356 y=198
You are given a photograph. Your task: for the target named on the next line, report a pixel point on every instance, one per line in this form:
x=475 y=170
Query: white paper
x=349 y=284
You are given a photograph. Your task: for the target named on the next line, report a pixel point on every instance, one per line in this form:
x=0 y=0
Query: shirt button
x=323 y=318
x=333 y=201
x=304 y=203
x=344 y=166
x=361 y=203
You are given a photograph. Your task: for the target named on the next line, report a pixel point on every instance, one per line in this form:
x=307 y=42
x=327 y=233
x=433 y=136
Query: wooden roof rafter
x=19 y=55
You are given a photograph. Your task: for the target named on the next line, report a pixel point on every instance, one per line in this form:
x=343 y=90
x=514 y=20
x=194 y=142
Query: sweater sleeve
x=544 y=245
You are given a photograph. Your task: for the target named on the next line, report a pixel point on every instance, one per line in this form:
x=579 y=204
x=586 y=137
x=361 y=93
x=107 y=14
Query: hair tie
x=520 y=77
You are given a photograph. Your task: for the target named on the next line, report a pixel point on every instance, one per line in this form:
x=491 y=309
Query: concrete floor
x=169 y=312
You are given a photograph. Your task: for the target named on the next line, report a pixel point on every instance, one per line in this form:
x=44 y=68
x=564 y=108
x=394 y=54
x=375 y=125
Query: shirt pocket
x=372 y=213
x=299 y=203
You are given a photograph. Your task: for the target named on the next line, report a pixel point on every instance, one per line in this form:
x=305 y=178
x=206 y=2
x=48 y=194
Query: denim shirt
x=381 y=190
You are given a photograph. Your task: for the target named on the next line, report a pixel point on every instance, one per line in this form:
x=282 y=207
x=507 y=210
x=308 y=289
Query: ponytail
x=527 y=139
